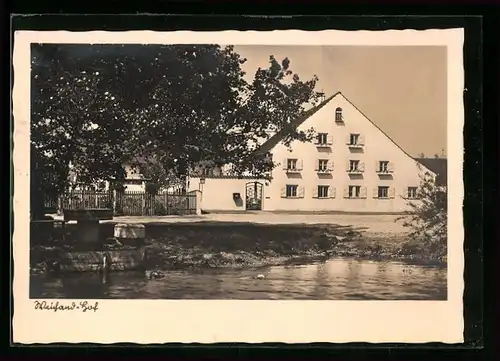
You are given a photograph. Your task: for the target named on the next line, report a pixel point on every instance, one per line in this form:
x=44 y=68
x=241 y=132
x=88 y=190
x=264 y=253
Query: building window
x=338 y=114
x=383 y=166
x=323 y=165
x=323 y=191
x=292 y=165
x=291 y=191
x=383 y=192
x=354 y=139
x=322 y=138
x=353 y=165
x=354 y=191
x=412 y=192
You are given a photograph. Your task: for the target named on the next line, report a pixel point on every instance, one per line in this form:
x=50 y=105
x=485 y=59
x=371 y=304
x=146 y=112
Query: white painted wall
x=377 y=147
x=217 y=193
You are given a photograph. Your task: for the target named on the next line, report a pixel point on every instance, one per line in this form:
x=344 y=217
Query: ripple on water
x=339 y=279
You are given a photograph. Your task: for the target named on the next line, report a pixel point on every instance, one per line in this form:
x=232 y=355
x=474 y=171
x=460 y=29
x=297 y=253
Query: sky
x=402 y=89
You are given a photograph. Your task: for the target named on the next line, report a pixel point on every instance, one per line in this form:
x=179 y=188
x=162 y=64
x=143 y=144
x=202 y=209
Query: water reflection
x=339 y=279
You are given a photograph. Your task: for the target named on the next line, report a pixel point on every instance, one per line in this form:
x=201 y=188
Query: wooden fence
x=128 y=203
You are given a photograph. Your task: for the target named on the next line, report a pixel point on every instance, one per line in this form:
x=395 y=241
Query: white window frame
x=291 y=164
x=339 y=115
x=323 y=165
x=323 y=189
x=322 y=139
x=354 y=165
x=294 y=191
x=380 y=190
x=410 y=196
x=354 y=192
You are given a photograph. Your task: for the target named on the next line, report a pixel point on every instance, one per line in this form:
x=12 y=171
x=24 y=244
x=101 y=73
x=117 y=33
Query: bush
x=159 y=209
x=428 y=220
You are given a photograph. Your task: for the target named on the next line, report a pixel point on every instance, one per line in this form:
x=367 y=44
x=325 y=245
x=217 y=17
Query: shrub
x=427 y=220
x=159 y=208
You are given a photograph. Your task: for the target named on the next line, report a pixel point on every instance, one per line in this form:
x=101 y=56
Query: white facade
x=350 y=178
x=134 y=181
x=400 y=170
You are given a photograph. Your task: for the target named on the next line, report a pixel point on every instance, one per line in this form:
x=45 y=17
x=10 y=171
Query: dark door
x=254 y=196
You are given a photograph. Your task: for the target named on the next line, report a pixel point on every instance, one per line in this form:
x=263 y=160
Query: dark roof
x=438 y=166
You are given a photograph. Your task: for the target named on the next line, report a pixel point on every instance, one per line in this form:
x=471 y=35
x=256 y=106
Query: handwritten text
x=82 y=306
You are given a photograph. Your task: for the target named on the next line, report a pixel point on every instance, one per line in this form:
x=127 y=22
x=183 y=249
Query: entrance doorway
x=254 y=192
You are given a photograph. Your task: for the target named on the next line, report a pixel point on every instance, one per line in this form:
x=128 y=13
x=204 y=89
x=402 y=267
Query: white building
x=352 y=166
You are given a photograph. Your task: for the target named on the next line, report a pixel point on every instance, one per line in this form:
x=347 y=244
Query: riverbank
x=198 y=245
x=245 y=246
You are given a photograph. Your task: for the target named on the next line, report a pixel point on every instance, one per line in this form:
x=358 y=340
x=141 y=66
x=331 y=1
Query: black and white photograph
x=232 y=171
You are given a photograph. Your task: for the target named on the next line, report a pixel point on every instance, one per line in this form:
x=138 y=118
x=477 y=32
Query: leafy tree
x=159 y=108
x=427 y=218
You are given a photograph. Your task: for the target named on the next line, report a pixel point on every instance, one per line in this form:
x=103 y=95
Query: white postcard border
x=203 y=321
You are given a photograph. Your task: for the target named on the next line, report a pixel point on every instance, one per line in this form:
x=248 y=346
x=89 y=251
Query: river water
x=337 y=279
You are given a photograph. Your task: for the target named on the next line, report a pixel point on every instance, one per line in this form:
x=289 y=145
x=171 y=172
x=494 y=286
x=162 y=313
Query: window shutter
x=363 y=192
x=361 y=139
x=390 y=167
x=348 y=139
x=330 y=164
x=361 y=166
x=283 y=192
x=299 y=164
x=377 y=166
x=331 y=191
x=348 y=166
x=285 y=164
x=346 y=192
x=330 y=140
x=316 y=139
x=392 y=192
x=315 y=192
x=301 y=192
x=375 y=192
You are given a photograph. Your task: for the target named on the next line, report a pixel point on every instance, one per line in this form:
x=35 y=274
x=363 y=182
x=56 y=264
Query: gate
x=254 y=192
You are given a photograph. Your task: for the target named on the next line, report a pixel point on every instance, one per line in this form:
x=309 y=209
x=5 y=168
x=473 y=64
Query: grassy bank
x=237 y=245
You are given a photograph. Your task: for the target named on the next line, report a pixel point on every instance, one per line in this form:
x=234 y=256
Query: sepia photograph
x=225 y=170
x=238 y=172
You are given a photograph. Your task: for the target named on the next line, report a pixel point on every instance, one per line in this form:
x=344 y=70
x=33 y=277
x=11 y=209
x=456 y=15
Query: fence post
x=113 y=200
x=60 y=205
x=165 y=202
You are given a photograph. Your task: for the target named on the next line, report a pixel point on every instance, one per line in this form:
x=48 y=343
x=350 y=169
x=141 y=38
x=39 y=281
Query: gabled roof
x=438 y=166
x=280 y=135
